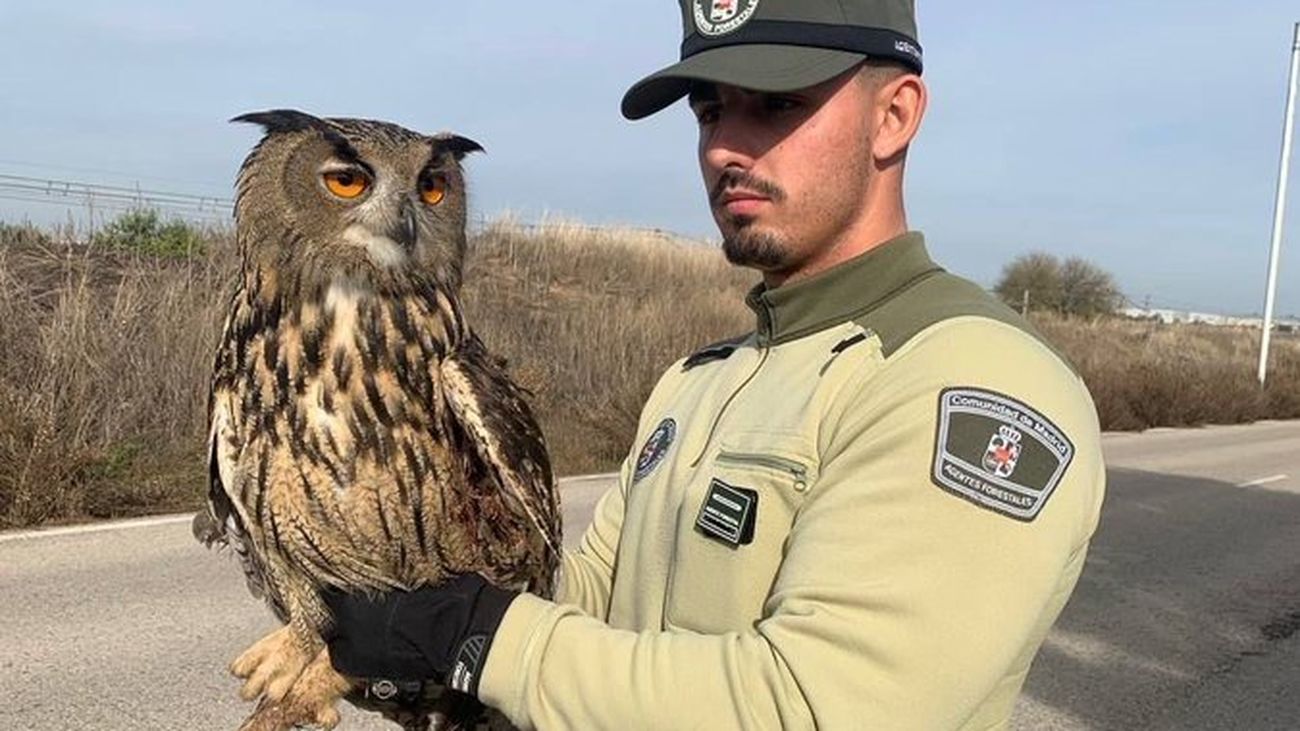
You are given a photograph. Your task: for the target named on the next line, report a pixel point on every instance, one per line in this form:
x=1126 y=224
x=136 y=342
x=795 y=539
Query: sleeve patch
x=997 y=452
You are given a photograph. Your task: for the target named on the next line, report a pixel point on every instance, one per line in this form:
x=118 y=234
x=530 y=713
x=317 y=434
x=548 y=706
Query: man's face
x=786 y=173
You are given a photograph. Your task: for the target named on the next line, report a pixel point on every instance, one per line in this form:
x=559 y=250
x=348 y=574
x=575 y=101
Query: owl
x=361 y=436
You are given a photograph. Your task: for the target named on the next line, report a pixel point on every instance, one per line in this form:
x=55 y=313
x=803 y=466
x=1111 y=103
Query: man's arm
x=899 y=604
x=587 y=573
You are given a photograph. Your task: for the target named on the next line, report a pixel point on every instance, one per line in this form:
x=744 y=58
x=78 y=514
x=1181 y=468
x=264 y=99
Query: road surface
x=1185 y=618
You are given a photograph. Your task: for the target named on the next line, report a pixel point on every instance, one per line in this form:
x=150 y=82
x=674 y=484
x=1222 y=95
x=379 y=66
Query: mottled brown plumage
x=361 y=435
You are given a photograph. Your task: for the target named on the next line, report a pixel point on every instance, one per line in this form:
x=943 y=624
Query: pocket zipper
x=781 y=464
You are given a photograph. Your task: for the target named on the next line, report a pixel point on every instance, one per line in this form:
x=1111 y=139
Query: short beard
x=748 y=247
x=759 y=250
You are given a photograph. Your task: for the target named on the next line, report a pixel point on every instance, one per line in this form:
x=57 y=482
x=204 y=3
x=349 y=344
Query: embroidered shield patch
x=1003 y=452
x=998 y=452
x=716 y=17
x=656 y=446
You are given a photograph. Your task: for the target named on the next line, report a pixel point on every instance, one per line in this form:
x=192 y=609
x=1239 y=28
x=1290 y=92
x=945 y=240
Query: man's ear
x=900 y=107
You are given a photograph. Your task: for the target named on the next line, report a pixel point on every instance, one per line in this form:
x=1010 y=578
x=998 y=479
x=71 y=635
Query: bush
x=142 y=231
x=1087 y=290
x=1040 y=282
x=1144 y=374
x=1032 y=281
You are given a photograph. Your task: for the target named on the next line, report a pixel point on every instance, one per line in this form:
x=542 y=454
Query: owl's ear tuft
x=458 y=146
x=282 y=120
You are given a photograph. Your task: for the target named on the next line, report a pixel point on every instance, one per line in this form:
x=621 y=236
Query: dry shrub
x=107 y=354
x=102 y=386
x=588 y=319
x=1145 y=374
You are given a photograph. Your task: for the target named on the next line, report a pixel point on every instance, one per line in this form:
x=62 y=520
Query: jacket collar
x=841 y=293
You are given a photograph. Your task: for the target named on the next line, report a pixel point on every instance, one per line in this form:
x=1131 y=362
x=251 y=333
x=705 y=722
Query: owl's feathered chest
x=349 y=367
x=342 y=451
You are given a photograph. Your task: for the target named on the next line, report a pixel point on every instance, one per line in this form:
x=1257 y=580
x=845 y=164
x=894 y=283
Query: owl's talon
x=271 y=665
x=328 y=717
x=309 y=702
x=279 y=688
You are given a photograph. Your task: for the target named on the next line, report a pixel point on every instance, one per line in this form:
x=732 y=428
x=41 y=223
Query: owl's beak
x=406 y=229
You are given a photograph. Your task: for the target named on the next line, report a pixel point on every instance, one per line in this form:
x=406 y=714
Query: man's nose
x=728 y=142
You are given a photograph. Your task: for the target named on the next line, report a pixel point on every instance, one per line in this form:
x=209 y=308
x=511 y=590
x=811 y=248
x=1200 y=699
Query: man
x=865 y=514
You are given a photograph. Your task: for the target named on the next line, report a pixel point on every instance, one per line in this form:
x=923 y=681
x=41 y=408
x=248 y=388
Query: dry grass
x=588 y=319
x=102 y=392
x=103 y=378
x=1145 y=374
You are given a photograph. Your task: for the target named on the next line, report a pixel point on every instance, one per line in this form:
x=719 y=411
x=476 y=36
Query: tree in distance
x=1039 y=281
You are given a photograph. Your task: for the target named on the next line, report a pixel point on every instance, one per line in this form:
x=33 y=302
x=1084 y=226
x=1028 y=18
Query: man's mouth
x=729 y=196
x=742 y=202
x=743 y=195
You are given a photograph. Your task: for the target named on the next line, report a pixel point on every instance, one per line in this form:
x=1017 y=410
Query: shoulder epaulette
x=938 y=298
x=718 y=351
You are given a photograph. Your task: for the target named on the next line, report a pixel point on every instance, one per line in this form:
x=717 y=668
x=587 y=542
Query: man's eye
x=780 y=103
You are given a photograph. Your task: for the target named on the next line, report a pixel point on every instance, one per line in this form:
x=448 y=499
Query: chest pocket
x=732 y=528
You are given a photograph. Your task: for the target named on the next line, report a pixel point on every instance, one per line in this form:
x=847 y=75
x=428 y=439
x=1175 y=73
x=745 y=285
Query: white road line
x=1263 y=481
x=74 y=530
x=588 y=478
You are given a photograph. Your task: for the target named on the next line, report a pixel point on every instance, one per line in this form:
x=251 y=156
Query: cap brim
x=760 y=67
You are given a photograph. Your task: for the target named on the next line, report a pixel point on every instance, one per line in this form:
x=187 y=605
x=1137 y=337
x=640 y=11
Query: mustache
x=731 y=179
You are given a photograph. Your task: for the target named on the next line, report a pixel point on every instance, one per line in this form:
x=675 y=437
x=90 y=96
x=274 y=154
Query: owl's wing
x=491 y=410
x=224 y=523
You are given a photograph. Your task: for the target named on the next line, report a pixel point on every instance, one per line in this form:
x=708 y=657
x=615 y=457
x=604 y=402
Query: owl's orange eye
x=345 y=183
x=433 y=189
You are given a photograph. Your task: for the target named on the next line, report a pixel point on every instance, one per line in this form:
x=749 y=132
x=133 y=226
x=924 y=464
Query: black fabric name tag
x=728 y=514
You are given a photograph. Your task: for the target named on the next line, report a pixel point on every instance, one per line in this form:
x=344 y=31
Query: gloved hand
x=438 y=633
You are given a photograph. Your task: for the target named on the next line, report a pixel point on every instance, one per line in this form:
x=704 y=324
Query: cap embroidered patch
x=719 y=17
x=997 y=452
x=656 y=446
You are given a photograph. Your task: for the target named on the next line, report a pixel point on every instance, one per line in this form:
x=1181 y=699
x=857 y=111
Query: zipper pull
x=800 y=479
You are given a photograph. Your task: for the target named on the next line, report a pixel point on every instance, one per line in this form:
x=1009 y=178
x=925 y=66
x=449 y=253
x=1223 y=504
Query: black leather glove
x=438 y=633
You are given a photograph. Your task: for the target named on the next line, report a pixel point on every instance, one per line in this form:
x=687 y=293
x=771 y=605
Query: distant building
x=1169 y=317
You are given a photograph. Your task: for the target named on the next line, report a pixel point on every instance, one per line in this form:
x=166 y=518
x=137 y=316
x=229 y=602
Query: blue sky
x=1141 y=135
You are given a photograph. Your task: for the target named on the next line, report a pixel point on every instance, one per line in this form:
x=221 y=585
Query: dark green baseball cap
x=777 y=45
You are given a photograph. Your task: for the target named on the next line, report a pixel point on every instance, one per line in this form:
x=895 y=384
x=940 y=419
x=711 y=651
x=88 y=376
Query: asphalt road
x=1185 y=618
x=1186 y=615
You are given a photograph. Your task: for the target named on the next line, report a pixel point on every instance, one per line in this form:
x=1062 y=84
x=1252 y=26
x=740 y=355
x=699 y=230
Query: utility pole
x=1279 y=208
x=1024 y=305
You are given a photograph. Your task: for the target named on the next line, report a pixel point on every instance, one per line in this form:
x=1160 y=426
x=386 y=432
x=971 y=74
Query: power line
x=105 y=197
x=119 y=174
x=69 y=188
x=27 y=189
x=481 y=222
x=114 y=206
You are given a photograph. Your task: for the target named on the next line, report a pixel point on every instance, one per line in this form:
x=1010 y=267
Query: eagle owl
x=361 y=437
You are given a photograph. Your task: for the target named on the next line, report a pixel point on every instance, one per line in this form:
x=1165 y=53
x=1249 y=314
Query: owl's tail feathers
x=213 y=533
x=207 y=530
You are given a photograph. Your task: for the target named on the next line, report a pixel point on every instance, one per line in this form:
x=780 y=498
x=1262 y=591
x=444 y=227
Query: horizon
x=1125 y=142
